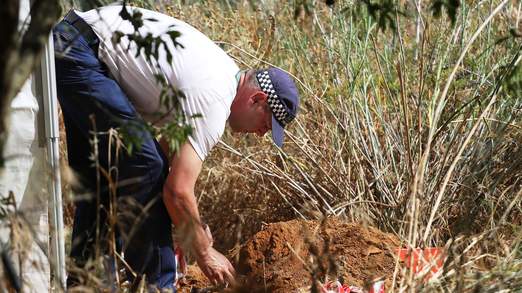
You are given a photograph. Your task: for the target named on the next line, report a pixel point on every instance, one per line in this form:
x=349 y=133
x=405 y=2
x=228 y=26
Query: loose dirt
x=287 y=256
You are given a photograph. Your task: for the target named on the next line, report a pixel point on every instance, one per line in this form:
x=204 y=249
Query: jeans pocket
x=61 y=41
x=70 y=44
x=64 y=45
x=64 y=36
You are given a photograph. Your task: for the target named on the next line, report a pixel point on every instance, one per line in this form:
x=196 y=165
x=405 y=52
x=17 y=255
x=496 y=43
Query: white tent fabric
x=24 y=176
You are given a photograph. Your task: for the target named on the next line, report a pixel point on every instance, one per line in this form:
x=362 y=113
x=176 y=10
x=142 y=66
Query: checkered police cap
x=283 y=98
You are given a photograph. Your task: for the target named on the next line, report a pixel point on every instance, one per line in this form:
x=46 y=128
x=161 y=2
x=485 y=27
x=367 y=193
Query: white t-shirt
x=201 y=70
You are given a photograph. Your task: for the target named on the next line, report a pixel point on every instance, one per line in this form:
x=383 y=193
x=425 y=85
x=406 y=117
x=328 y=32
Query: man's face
x=250 y=112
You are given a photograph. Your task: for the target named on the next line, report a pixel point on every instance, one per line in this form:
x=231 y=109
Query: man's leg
x=91 y=100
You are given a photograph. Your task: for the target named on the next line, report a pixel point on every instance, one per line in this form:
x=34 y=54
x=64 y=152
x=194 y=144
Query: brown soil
x=194 y=279
x=286 y=256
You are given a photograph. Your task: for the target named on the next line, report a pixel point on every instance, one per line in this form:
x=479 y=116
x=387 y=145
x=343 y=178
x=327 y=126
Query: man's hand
x=216 y=267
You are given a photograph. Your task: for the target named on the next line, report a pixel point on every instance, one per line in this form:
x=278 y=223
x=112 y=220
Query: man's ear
x=260 y=96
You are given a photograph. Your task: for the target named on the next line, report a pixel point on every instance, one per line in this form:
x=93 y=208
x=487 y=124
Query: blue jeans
x=92 y=101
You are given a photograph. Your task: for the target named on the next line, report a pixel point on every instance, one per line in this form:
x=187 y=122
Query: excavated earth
x=288 y=256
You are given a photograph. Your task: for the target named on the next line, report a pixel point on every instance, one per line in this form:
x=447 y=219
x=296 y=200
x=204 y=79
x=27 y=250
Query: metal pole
x=57 y=251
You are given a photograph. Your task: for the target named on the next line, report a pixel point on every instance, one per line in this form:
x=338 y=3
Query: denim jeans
x=93 y=102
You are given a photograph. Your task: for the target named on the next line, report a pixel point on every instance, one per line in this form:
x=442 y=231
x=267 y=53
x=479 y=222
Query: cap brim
x=278 y=132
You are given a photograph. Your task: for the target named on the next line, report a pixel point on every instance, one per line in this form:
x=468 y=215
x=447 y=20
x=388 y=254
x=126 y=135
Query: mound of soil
x=287 y=256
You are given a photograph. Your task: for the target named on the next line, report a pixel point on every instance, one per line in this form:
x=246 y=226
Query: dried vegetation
x=419 y=137
x=412 y=130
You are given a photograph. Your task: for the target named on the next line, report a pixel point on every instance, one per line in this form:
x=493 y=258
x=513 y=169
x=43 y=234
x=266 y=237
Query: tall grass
x=414 y=135
x=410 y=129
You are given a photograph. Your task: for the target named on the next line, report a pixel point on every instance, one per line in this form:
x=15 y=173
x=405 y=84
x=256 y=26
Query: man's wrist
x=202 y=242
x=202 y=252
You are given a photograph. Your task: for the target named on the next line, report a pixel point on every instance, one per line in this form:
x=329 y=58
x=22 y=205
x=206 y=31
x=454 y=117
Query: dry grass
x=427 y=148
x=416 y=136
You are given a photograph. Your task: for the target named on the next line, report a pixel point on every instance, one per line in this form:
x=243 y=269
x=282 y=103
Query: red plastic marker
x=420 y=260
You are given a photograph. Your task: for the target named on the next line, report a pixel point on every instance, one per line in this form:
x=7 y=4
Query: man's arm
x=181 y=204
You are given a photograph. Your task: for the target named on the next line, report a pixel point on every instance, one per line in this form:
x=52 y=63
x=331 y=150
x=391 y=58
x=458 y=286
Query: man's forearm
x=183 y=210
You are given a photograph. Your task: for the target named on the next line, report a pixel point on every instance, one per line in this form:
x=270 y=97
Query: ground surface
x=284 y=256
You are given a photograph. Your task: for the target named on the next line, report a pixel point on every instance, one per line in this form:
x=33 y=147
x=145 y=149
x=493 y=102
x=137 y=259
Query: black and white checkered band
x=278 y=109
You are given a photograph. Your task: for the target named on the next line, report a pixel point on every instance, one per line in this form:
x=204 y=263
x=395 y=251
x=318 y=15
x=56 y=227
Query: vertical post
x=57 y=251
